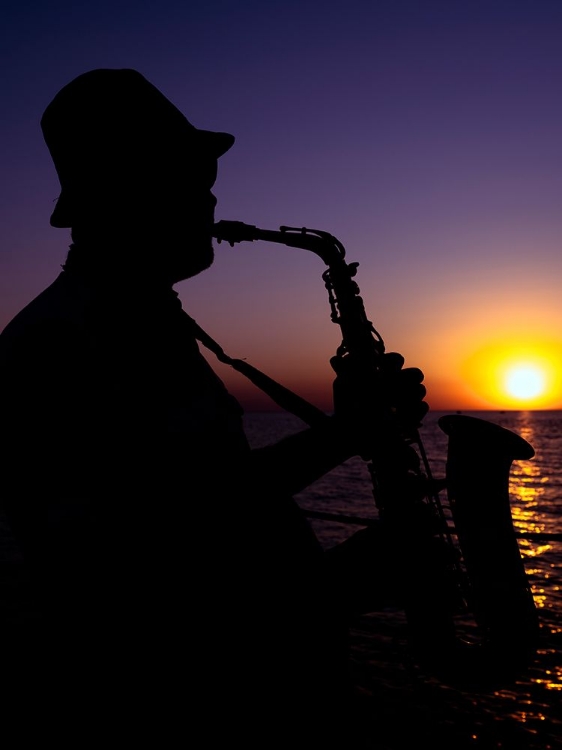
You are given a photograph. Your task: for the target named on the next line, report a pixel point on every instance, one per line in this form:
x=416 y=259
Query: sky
x=426 y=136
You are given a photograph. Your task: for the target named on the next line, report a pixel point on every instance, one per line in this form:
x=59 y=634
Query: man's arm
x=300 y=459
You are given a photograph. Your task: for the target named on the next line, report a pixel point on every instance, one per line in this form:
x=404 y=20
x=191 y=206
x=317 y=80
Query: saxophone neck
x=360 y=339
x=323 y=244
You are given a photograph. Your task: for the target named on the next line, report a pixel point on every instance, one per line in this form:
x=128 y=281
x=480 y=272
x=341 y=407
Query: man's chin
x=192 y=264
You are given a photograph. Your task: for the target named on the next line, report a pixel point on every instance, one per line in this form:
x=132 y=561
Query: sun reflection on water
x=526 y=488
x=552 y=679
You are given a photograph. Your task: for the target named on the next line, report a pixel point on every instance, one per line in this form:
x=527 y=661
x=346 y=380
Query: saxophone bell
x=497 y=590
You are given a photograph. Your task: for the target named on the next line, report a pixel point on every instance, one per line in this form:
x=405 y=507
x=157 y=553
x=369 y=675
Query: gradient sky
x=427 y=136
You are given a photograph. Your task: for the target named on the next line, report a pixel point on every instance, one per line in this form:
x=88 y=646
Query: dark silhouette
x=167 y=575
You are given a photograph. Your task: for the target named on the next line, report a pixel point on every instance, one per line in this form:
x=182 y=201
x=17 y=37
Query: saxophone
x=465 y=573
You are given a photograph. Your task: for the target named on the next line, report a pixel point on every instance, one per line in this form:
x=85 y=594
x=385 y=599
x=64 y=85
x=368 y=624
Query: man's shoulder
x=56 y=309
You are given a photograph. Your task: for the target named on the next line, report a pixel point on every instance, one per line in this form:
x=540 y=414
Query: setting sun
x=515 y=376
x=525 y=382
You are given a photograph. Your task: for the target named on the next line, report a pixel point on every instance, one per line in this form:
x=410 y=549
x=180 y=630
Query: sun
x=511 y=375
x=525 y=382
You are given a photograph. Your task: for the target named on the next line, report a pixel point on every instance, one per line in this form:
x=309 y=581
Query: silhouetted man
x=172 y=578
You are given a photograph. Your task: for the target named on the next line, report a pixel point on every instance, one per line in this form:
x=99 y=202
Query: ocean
x=411 y=706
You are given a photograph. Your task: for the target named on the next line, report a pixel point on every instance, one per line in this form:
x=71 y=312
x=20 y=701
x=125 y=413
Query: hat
x=110 y=122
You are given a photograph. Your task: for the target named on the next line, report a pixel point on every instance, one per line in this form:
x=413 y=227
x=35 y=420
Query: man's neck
x=112 y=264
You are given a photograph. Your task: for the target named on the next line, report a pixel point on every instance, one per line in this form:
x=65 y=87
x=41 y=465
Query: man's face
x=182 y=217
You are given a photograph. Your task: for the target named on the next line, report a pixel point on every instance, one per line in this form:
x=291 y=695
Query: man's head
x=129 y=160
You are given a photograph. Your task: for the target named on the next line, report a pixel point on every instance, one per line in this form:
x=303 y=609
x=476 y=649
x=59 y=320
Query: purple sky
x=425 y=135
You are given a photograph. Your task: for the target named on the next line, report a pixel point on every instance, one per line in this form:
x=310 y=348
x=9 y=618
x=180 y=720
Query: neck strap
x=281 y=395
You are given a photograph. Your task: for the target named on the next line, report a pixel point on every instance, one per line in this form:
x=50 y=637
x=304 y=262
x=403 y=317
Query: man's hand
x=363 y=399
x=405 y=390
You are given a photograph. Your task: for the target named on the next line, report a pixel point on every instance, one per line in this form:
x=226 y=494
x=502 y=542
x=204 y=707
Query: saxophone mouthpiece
x=234 y=231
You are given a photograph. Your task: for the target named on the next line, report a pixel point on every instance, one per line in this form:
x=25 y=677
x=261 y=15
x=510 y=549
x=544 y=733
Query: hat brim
x=216 y=144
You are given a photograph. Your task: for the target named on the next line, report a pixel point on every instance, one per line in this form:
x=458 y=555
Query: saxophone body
x=463 y=569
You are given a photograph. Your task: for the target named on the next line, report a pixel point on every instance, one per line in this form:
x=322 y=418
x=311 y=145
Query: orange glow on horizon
x=513 y=375
x=506 y=375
